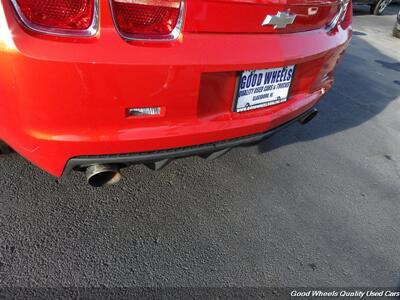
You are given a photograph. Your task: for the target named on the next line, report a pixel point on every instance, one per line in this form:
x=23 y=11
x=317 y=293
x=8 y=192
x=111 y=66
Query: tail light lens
x=59 y=17
x=148 y=19
x=343 y=7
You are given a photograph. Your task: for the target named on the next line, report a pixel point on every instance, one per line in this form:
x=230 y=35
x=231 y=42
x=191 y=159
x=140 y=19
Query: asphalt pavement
x=316 y=205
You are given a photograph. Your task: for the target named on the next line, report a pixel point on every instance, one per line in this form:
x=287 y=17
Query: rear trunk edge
x=246 y=16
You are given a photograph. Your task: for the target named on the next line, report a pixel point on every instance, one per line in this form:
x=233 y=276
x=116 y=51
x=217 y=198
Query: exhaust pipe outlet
x=4 y=149
x=103 y=175
x=309 y=117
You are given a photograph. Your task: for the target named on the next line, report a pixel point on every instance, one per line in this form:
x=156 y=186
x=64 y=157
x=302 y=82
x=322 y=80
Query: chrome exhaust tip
x=309 y=117
x=103 y=175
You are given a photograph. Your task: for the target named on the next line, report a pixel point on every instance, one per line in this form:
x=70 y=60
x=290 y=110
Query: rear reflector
x=148 y=19
x=60 y=17
x=148 y=111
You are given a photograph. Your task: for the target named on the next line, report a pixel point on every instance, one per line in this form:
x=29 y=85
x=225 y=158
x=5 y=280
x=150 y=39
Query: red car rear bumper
x=62 y=100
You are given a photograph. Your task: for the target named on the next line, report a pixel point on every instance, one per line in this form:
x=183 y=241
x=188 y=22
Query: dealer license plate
x=261 y=88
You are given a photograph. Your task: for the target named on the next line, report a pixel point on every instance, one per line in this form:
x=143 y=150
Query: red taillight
x=70 y=17
x=148 y=19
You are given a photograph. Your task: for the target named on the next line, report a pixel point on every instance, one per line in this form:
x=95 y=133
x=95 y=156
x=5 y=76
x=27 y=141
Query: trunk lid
x=247 y=16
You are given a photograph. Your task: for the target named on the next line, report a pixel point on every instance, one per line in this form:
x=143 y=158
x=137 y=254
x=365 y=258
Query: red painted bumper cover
x=61 y=99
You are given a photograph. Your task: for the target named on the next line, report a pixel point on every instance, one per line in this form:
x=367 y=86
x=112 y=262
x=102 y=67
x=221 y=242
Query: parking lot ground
x=317 y=205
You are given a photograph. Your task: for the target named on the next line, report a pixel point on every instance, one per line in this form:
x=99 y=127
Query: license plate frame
x=254 y=96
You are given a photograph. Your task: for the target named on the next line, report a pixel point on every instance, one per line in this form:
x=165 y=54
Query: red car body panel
x=68 y=97
x=240 y=16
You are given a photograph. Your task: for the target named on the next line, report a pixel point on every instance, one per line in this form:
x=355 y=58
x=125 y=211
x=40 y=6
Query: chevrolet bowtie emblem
x=280 y=20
